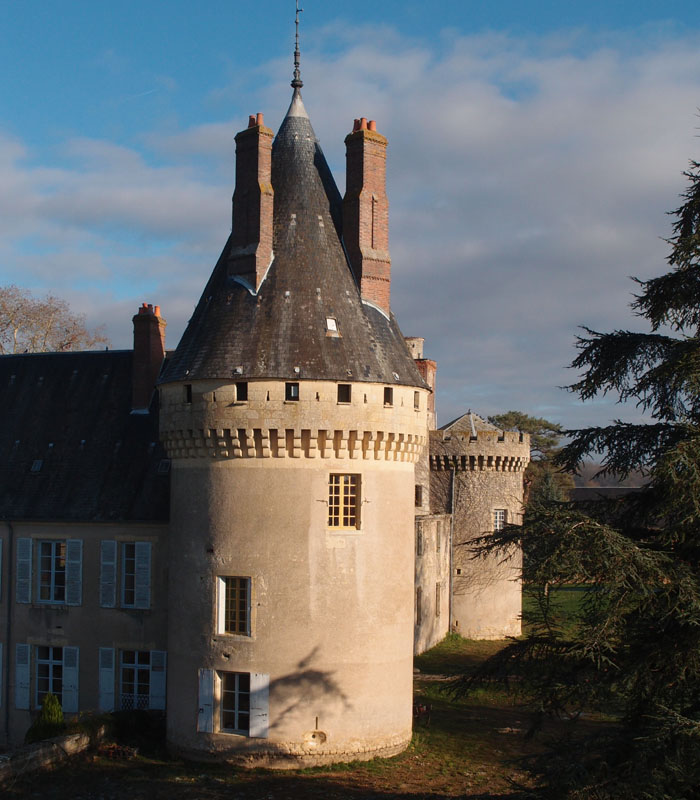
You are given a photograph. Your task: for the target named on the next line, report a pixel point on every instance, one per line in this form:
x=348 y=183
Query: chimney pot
x=157 y=311
x=258 y=118
x=251 y=121
x=372 y=125
x=356 y=126
x=363 y=123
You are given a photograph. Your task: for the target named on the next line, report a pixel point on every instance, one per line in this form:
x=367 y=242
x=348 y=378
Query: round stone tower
x=294 y=414
x=476 y=473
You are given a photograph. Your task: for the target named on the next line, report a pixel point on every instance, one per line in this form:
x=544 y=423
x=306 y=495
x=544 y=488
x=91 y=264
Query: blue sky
x=534 y=150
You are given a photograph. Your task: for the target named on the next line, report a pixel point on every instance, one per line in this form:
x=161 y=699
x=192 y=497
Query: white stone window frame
x=500 y=519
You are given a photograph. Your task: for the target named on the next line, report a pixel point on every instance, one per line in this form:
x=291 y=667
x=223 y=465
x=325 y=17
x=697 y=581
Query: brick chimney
x=428 y=371
x=149 y=352
x=366 y=212
x=253 y=198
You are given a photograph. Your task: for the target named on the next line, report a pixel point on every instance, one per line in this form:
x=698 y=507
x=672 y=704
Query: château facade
x=256 y=531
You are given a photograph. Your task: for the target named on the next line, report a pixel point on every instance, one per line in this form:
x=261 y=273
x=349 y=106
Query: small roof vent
x=36 y=466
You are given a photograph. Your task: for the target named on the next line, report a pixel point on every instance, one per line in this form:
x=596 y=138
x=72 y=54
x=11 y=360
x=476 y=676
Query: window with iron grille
x=343 y=501
x=499 y=519
x=234 y=605
x=52 y=572
x=49 y=673
x=135 y=679
x=235 y=702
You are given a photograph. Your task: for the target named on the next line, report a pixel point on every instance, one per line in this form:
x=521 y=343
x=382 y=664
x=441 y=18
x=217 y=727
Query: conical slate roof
x=283 y=326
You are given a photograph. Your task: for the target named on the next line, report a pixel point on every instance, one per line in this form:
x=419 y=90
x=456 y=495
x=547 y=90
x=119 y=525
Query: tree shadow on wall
x=304 y=690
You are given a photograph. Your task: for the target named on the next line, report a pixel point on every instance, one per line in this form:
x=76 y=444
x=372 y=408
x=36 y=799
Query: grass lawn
x=466 y=749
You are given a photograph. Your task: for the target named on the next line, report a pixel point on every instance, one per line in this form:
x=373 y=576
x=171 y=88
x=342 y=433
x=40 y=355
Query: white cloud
x=527 y=180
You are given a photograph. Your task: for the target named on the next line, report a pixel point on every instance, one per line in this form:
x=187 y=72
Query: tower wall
x=250 y=494
x=476 y=476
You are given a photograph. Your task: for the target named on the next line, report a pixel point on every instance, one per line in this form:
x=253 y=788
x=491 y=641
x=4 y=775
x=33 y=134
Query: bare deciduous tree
x=38 y=325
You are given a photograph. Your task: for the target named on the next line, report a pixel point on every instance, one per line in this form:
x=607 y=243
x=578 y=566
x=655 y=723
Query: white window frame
x=240 y=702
x=500 y=519
x=53 y=661
x=223 y=604
x=151 y=664
x=54 y=550
x=209 y=717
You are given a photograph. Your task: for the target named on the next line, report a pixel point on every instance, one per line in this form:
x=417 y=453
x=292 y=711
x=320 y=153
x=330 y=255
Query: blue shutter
x=259 y=705
x=74 y=572
x=23 y=585
x=106 y=679
x=142 y=580
x=22 y=676
x=108 y=574
x=156 y=698
x=205 y=716
x=70 y=694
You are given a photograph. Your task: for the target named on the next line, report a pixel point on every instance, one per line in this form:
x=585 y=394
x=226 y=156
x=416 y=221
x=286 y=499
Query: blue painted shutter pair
x=74 y=571
x=108 y=574
x=71 y=669
x=107 y=679
x=259 y=703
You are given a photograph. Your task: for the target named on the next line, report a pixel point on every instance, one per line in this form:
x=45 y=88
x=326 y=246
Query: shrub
x=49 y=722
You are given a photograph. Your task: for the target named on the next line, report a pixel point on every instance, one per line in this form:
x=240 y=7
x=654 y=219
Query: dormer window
x=332 y=324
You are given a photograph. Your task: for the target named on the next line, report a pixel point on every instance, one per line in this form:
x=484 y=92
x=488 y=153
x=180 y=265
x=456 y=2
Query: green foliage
x=49 y=723
x=633 y=651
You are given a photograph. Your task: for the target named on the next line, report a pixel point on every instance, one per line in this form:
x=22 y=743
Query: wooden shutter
x=70 y=695
x=22 y=676
x=259 y=704
x=23 y=586
x=74 y=572
x=156 y=692
x=106 y=679
x=108 y=574
x=205 y=715
x=142 y=581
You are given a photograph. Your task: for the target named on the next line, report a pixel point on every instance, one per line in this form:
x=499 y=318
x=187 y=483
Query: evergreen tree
x=634 y=651
x=49 y=723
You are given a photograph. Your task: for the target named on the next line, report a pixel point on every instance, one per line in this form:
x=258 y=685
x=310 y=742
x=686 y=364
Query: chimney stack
x=253 y=198
x=149 y=352
x=428 y=371
x=366 y=212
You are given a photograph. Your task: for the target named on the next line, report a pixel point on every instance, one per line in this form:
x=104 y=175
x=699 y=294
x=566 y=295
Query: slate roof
x=71 y=411
x=284 y=326
x=469 y=424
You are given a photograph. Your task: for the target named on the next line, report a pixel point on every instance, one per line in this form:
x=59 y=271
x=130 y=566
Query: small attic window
x=241 y=391
x=188 y=392
x=291 y=391
x=37 y=464
x=163 y=466
x=332 y=324
x=416 y=400
x=388 y=396
x=344 y=392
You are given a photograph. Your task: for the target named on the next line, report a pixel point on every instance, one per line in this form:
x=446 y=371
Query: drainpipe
x=8 y=627
x=452 y=524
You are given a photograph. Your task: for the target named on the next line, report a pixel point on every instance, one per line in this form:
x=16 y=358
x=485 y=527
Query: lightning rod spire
x=297 y=83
